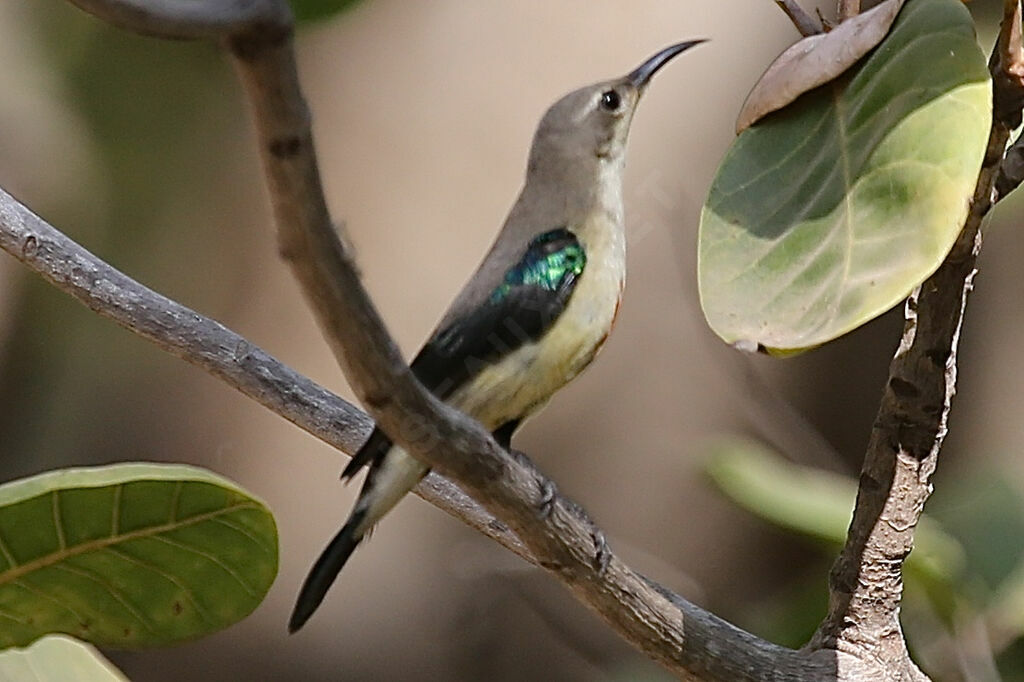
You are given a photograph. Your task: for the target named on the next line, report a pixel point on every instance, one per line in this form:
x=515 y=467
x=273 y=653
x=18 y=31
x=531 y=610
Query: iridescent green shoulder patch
x=548 y=260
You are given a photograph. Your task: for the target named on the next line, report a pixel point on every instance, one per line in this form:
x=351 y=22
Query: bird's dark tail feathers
x=325 y=570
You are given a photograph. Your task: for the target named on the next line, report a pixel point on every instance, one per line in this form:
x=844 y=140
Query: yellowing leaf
x=57 y=658
x=828 y=212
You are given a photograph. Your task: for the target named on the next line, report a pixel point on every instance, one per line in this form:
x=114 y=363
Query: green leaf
x=57 y=658
x=130 y=555
x=816 y=503
x=317 y=10
x=828 y=212
x=983 y=509
x=1006 y=613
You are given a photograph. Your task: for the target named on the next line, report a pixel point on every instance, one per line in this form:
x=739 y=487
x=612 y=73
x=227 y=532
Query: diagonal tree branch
x=559 y=535
x=803 y=21
x=707 y=644
x=214 y=348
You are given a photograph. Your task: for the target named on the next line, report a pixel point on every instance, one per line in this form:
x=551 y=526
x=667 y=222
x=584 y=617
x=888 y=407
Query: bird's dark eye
x=610 y=100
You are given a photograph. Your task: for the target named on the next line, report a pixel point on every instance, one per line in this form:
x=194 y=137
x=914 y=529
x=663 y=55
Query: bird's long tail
x=387 y=482
x=325 y=570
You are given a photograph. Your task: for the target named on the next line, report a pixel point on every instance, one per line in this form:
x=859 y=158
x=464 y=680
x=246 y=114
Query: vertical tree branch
x=866 y=582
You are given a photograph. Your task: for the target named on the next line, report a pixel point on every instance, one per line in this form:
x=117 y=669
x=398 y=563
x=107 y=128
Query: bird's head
x=589 y=126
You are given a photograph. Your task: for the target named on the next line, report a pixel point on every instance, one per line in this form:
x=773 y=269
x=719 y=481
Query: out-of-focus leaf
x=1005 y=618
x=828 y=212
x=815 y=503
x=130 y=555
x=983 y=511
x=317 y=10
x=815 y=60
x=808 y=501
x=57 y=658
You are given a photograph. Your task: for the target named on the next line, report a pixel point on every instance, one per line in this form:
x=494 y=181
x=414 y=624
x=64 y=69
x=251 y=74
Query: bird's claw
x=548 y=497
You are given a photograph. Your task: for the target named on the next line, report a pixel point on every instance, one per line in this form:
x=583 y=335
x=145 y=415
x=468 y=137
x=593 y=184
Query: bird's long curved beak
x=642 y=74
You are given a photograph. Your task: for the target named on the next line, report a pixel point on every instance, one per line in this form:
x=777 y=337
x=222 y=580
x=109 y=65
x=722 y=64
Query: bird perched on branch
x=536 y=311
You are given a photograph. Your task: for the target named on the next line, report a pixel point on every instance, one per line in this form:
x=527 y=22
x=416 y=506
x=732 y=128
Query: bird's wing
x=530 y=297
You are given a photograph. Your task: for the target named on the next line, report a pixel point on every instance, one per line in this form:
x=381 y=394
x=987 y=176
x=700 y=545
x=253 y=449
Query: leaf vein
x=61 y=603
x=175 y=497
x=111 y=590
x=58 y=522
x=151 y=531
x=7 y=554
x=115 y=513
x=244 y=531
x=774 y=167
x=212 y=559
x=188 y=592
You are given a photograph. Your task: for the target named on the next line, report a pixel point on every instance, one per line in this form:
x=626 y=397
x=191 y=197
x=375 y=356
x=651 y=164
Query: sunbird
x=536 y=311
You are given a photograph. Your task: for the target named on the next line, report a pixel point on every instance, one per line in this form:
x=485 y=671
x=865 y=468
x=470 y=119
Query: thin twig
x=181 y=19
x=826 y=26
x=866 y=583
x=803 y=21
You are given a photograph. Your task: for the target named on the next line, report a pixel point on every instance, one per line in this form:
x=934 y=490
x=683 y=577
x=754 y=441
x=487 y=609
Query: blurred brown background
x=142 y=150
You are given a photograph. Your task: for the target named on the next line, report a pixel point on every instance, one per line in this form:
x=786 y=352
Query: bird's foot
x=548 y=499
x=602 y=553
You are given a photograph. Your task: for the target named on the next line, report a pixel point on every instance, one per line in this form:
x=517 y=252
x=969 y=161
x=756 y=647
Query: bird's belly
x=521 y=382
